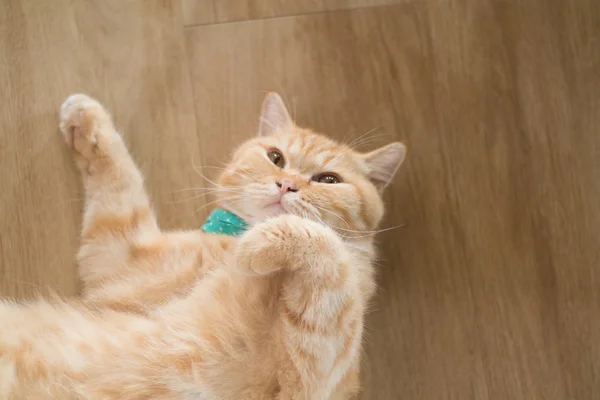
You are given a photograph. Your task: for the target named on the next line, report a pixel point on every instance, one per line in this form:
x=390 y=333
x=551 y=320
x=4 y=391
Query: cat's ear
x=383 y=163
x=274 y=115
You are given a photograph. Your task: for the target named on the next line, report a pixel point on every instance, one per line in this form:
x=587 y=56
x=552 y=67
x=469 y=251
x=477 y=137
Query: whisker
x=187 y=199
x=201 y=195
x=359 y=141
x=226 y=165
x=219 y=200
x=368 y=140
x=333 y=213
x=242 y=174
x=211 y=189
x=351 y=144
x=314 y=214
x=319 y=219
x=355 y=145
x=370 y=233
x=204 y=176
x=295 y=103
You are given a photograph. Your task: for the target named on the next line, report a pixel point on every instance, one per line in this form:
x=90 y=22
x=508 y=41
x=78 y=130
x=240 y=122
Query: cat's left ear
x=383 y=163
x=274 y=116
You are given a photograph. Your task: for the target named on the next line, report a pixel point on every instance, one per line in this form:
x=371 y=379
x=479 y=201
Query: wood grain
x=489 y=290
x=131 y=57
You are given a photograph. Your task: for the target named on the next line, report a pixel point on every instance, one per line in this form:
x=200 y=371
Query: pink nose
x=286 y=185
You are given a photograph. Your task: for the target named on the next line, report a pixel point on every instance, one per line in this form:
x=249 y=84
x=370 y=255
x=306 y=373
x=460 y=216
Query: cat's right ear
x=384 y=162
x=274 y=116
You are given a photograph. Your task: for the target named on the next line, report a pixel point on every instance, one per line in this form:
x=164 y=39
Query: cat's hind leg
x=117 y=208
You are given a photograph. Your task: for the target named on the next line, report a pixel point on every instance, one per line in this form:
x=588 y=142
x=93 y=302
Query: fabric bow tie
x=223 y=222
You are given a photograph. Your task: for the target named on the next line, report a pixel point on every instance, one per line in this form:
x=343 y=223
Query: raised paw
x=87 y=127
x=285 y=242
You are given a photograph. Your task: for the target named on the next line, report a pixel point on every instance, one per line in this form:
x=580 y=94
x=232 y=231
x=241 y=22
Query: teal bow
x=223 y=222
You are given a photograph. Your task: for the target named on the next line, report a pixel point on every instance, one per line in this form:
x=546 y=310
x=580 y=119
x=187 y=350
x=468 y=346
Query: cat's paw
x=85 y=125
x=285 y=242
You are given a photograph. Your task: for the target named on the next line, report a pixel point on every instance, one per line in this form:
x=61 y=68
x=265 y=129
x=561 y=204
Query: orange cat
x=277 y=313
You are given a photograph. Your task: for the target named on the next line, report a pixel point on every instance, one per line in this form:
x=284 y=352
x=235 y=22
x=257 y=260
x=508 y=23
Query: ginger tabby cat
x=277 y=313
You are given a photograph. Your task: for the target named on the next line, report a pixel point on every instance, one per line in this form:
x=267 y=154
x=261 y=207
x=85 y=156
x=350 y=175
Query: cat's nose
x=286 y=185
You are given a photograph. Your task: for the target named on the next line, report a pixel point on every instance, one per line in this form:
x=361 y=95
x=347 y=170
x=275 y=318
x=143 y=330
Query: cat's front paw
x=285 y=242
x=86 y=126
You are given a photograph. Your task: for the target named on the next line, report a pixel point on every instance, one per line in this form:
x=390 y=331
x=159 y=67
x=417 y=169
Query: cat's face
x=287 y=169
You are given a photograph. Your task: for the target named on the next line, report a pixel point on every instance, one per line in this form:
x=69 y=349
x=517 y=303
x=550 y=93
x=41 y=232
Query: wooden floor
x=490 y=290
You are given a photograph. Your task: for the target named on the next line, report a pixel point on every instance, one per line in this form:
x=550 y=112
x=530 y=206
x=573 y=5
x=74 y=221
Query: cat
x=274 y=313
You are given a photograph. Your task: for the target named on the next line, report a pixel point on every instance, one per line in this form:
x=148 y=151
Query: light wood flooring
x=491 y=288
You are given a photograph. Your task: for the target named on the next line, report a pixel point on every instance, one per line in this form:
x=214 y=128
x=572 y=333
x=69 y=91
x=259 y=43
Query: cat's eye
x=276 y=158
x=327 y=178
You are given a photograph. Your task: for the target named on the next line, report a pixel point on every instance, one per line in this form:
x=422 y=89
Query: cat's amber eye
x=276 y=157
x=327 y=178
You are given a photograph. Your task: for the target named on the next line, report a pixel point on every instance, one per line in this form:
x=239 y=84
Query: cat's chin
x=273 y=210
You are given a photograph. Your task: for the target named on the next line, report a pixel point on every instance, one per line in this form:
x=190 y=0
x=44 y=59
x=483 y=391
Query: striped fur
x=275 y=314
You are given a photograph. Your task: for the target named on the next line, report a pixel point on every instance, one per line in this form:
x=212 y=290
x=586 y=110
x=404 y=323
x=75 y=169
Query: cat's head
x=288 y=169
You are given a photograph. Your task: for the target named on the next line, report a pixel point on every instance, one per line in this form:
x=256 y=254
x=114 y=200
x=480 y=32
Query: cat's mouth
x=279 y=204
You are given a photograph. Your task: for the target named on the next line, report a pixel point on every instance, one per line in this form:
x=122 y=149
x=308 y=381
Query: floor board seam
x=323 y=12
